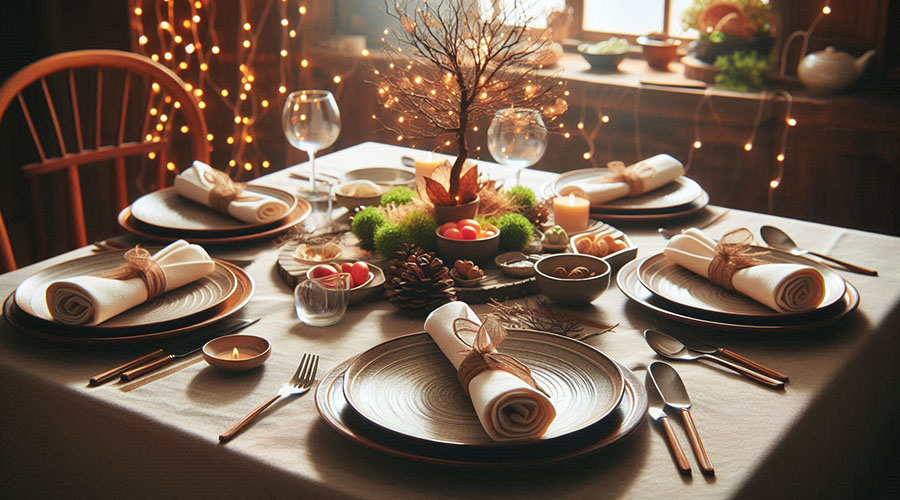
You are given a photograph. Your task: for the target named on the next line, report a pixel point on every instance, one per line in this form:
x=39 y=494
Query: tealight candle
x=425 y=166
x=237 y=352
x=571 y=212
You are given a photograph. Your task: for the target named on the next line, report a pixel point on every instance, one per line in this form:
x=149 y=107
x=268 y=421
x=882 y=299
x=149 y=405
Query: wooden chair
x=140 y=135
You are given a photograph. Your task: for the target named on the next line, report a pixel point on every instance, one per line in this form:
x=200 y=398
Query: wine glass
x=311 y=121
x=517 y=138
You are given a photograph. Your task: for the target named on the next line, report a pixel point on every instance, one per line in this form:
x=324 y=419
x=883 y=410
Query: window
x=599 y=19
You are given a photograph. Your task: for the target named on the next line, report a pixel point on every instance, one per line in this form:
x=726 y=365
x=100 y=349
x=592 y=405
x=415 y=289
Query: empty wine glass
x=311 y=121
x=517 y=138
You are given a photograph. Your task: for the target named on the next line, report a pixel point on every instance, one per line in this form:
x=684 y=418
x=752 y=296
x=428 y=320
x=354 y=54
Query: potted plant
x=728 y=26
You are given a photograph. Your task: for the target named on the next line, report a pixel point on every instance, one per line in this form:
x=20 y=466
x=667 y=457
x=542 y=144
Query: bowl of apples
x=467 y=239
x=361 y=276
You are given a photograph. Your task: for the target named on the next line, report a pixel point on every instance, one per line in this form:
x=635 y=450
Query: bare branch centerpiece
x=451 y=65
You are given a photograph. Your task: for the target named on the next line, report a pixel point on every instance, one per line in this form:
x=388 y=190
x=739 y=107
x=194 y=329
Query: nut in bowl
x=466 y=273
x=615 y=247
x=586 y=277
x=467 y=240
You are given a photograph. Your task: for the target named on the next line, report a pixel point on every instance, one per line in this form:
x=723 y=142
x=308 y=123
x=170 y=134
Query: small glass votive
x=322 y=301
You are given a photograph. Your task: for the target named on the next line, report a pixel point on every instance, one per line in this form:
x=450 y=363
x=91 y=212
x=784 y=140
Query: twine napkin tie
x=633 y=175
x=224 y=190
x=483 y=356
x=733 y=253
x=139 y=264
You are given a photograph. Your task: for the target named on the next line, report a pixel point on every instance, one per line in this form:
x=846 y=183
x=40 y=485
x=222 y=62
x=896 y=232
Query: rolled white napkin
x=91 y=300
x=509 y=409
x=786 y=288
x=196 y=182
x=598 y=192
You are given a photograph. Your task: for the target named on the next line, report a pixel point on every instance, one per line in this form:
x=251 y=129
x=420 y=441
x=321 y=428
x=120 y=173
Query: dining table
x=820 y=437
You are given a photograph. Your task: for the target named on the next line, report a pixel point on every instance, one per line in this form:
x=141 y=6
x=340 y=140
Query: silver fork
x=300 y=383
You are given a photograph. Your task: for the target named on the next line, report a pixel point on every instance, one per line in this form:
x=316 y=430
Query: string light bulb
x=698 y=144
x=748 y=147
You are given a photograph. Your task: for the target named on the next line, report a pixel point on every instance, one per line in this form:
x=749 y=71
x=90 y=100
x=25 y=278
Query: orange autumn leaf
x=468 y=185
x=436 y=192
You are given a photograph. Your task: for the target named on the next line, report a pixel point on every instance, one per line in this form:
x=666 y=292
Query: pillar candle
x=571 y=212
x=425 y=166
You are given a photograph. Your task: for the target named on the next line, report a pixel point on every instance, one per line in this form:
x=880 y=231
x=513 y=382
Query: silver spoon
x=670 y=386
x=672 y=348
x=776 y=238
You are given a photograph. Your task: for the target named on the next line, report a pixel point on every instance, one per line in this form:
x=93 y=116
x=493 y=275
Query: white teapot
x=828 y=71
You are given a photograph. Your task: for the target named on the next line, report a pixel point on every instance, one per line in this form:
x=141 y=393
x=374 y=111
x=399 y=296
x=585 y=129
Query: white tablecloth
x=59 y=437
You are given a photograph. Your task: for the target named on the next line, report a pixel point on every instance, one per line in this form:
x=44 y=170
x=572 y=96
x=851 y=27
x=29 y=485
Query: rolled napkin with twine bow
x=733 y=264
x=507 y=401
x=213 y=188
x=633 y=180
x=91 y=300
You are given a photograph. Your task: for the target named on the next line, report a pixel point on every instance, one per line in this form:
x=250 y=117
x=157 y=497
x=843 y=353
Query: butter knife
x=657 y=413
x=217 y=330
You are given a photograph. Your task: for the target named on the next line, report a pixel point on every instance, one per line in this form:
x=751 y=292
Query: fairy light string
x=183 y=36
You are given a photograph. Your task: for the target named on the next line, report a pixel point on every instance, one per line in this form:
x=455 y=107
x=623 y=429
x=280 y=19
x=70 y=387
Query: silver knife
x=226 y=327
x=658 y=414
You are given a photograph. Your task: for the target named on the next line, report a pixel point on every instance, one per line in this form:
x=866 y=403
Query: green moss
x=389 y=238
x=515 y=231
x=523 y=197
x=365 y=223
x=400 y=195
x=421 y=229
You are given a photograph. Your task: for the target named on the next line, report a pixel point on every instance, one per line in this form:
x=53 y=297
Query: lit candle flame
x=235 y=353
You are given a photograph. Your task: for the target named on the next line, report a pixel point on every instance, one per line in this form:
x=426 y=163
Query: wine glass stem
x=312 y=171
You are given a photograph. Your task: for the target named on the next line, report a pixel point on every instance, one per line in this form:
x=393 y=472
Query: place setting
x=206 y=206
x=454 y=395
x=122 y=297
x=732 y=284
x=652 y=189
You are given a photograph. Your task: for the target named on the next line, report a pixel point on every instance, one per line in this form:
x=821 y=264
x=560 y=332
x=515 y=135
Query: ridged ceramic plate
x=167 y=210
x=47 y=330
x=136 y=227
x=672 y=196
x=408 y=386
x=667 y=279
x=621 y=423
x=179 y=305
x=629 y=283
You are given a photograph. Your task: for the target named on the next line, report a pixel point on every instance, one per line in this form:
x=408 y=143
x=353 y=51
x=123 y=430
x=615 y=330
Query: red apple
x=452 y=234
x=346 y=266
x=359 y=273
x=322 y=271
x=446 y=226
x=469 y=233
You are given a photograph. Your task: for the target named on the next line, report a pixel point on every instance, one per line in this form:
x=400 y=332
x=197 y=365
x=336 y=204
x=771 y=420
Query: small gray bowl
x=568 y=291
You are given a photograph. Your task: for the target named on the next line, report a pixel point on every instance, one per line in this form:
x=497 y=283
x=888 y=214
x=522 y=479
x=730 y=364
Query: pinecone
x=539 y=214
x=418 y=281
